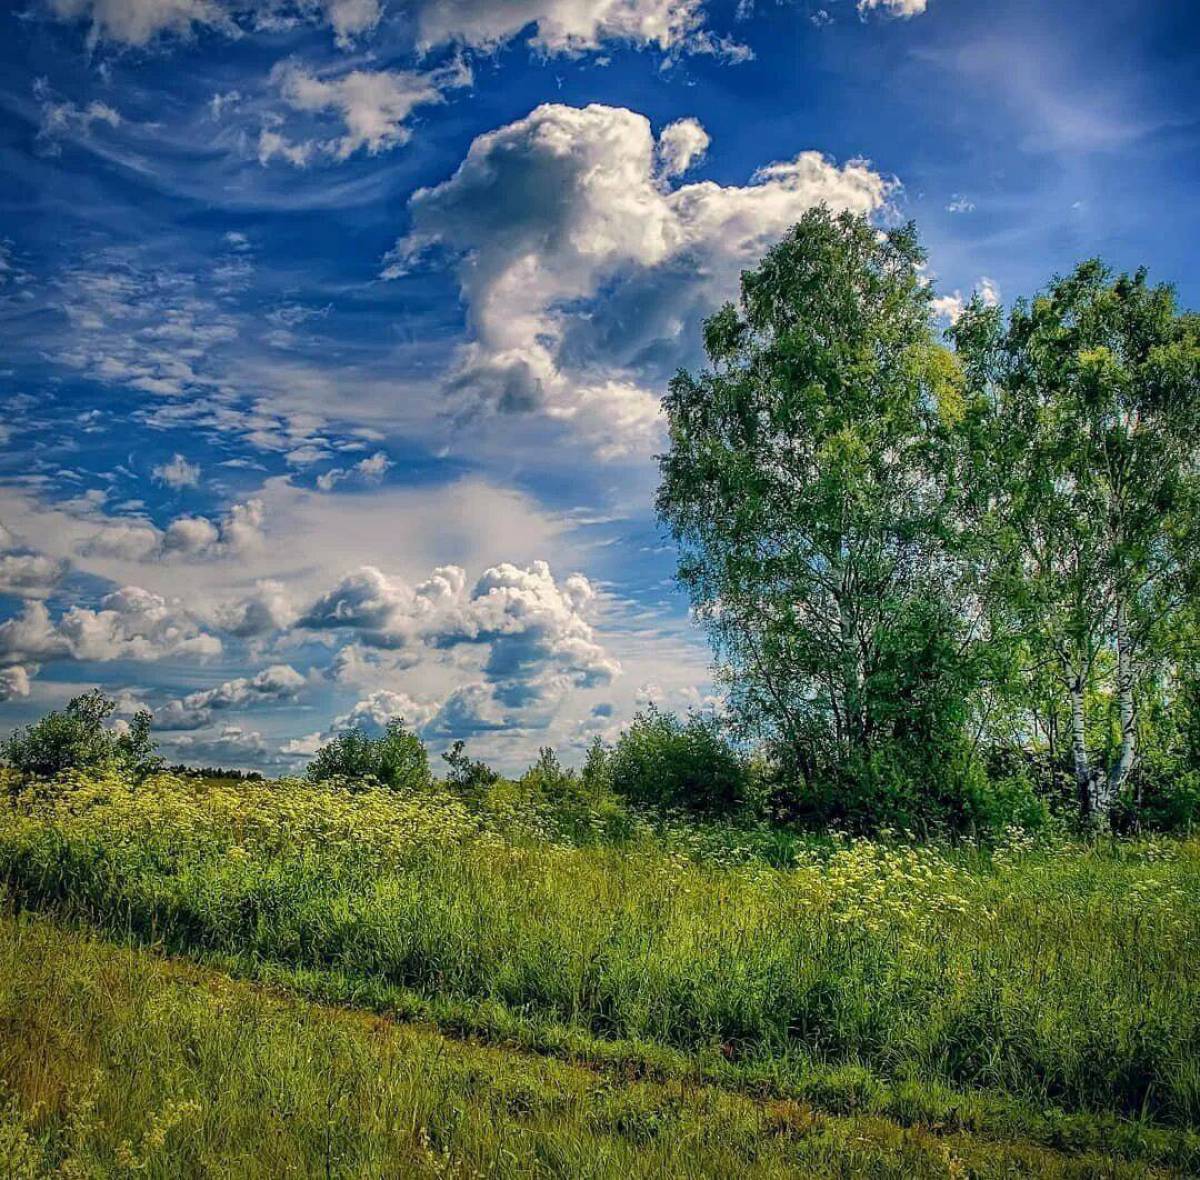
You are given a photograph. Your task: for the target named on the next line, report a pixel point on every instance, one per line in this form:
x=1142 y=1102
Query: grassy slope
x=1050 y=997
x=115 y=1062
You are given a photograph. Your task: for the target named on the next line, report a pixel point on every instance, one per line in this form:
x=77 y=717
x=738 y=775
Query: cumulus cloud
x=195 y=538
x=178 y=473
x=14 y=681
x=373 y=712
x=586 y=273
x=29 y=575
x=949 y=307
x=897 y=8
x=680 y=145
x=279 y=682
x=130 y=624
x=532 y=631
x=374 y=107
x=370 y=470
x=265 y=611
x=382 y=611
x=231 y=746
x=26 y=574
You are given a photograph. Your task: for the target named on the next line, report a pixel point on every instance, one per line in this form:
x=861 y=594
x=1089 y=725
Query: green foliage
x=665 y=762
x=1083 y=493
x=77 y=738
x=808 y=483
x=914 y=564
x=397 y=759
x=470 y=777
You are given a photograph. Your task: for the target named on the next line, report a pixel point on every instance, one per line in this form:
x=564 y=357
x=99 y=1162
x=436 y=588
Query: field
x=203 y=978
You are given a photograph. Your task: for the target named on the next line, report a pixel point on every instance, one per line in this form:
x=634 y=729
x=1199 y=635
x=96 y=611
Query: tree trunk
x=1122 y=767
x=852 y=677
x=1083 y=770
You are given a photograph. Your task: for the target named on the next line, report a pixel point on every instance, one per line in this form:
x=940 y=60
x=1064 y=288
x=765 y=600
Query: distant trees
x=396 y=759
x=907 y=557
x=78 y=738
x=663 y=761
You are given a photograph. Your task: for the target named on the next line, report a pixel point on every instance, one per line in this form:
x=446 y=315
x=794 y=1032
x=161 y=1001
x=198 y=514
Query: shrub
x=397 y=759
x=667 y=762
x=470 y=777
x=577 y=807
x=77 y=738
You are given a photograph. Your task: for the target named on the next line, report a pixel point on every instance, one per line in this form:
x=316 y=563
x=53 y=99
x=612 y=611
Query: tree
x=396 y=759
x=666 y=762
x=77 y=738
x=807 y=486
x=1085 y=484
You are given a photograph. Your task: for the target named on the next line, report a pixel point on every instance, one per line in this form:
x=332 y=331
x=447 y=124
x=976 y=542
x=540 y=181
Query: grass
x=115 y=1063
x=1047 y=996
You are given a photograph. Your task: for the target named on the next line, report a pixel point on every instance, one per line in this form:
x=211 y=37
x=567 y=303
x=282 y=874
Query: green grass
x=115 y=1063
x=1043 y=995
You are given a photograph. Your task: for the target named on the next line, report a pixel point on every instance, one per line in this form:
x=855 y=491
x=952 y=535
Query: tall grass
x=1065 y=975
x=116 y=1064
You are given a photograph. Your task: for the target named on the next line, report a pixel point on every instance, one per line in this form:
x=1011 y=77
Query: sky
x=334 y=331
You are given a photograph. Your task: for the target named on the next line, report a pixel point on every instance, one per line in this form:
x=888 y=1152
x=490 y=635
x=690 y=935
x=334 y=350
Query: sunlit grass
x=989 y=990
x=113 y=1063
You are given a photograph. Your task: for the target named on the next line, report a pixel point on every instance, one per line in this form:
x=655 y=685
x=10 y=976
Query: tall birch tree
x=805 y=486
x=1085 y=482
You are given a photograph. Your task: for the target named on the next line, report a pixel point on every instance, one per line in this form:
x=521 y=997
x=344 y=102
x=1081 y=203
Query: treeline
x=955 y=585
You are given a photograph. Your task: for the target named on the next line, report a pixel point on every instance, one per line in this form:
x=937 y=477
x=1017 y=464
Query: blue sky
x=334 y=330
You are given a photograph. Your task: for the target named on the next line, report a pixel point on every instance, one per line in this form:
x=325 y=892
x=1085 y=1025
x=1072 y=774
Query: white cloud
x=265 y=611
x=194 y=538
x=559 y=26
x=29 y=575
x=232 y=746
x=950 y=307
x=586 y=274
x=138 y=22
x=61 y=120
x=681 y=145
x=370 y=470
x=178 y=473
x=374 y=107
x=960 y=204
x=570 y=26
x=351 y=18
x=141 y=22
x=14 y=681
x=279 y=682
x=897 y=8
x=373 y=712
x=531 y=631
x=130 y=624
x=26 y=574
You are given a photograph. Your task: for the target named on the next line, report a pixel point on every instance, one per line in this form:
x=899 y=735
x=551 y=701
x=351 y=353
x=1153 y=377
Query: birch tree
x=805 y=487
x=1085 y=483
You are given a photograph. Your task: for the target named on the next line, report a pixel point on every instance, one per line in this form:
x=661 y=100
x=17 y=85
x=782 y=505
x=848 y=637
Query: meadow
x=1041 y=994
